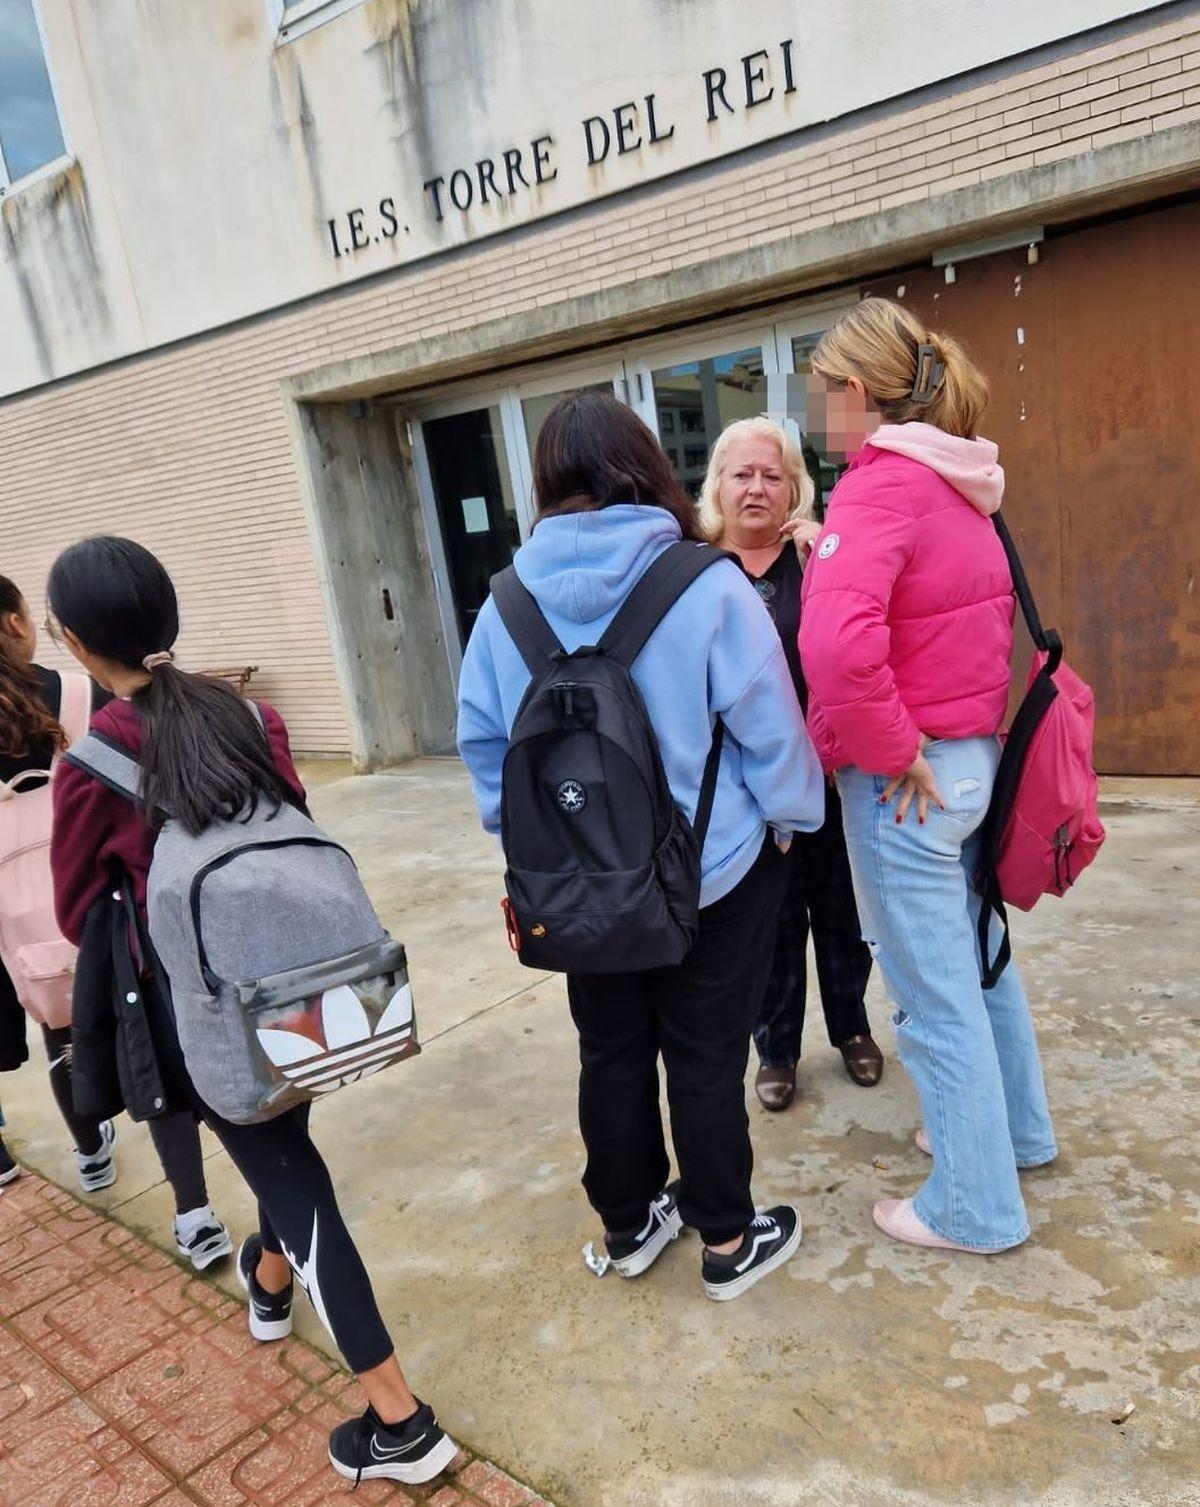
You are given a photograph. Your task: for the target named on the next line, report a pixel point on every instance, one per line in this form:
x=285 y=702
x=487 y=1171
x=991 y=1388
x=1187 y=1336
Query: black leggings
x=85 y=1130
x=297 y=1206
x=299 y=1217
x=176 y=1137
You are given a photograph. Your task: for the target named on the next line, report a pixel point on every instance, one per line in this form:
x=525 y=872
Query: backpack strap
x=521 y=615
x=75 y=712
x=1029 y=714
x=107 y=762
x=660 y=587
x=708 y=785
x=1046 y=639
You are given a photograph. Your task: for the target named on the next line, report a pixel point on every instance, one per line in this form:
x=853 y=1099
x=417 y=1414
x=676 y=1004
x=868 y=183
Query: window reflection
x=696 y=399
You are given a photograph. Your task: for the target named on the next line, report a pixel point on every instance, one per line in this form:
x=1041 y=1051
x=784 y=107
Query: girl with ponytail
x=205 y=756
x=905 y=641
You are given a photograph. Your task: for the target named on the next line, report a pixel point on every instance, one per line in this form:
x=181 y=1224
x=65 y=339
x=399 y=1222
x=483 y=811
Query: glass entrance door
x=471 y=482
x=688 y=393
x=473 y=449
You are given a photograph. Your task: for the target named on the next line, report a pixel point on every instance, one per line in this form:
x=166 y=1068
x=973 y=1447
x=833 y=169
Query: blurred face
x=18 y=628
x=841 y=417
x=755 y=495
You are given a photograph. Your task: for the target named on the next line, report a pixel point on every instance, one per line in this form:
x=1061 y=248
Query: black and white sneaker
x=201 y=1237
x=636 y=1252
x=770 y=1239
x=367 y=1449
x=270 y=1313
x=9 y=1170
x=98 y=1170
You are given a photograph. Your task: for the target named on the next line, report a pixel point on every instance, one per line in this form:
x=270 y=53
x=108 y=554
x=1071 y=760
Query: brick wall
x=189 y=449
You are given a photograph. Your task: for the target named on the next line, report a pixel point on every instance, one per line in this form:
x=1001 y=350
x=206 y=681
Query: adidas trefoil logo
x=351 y=1049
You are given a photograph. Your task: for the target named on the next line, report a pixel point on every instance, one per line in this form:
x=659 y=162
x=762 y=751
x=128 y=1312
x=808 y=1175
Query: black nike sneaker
x=635 y=1252
x=367 y=1449
x=770 y=1239
x=270 y=1313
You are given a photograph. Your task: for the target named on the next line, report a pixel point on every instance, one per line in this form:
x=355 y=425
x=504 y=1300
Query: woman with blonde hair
x=905 y=642
x=756 y=502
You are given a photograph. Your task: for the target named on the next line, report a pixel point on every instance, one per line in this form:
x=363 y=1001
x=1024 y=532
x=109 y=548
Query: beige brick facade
x=189 y=448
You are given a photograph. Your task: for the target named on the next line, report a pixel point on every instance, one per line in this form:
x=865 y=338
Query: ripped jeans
x=971 y=1052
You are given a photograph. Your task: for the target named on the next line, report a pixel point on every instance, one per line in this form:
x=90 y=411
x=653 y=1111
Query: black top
x=50 y=686
x=779 y=587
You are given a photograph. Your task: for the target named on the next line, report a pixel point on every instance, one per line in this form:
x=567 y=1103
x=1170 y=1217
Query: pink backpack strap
x=75 y=711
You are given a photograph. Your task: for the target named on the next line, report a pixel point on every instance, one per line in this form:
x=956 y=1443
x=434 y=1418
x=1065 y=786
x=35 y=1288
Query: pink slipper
x=895 y=1217
x=922 y=1141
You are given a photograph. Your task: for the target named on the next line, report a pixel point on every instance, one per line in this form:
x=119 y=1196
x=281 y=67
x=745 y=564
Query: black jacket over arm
x=115 y=1062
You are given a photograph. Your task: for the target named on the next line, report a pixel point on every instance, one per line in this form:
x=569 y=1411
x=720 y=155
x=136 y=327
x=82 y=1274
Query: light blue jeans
x=971 y=1052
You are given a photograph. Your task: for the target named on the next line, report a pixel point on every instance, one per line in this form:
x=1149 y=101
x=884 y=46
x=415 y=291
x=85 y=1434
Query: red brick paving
x=125 y=1381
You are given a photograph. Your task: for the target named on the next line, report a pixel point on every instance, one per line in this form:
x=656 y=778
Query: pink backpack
x=38 y=958
x=1042 y=828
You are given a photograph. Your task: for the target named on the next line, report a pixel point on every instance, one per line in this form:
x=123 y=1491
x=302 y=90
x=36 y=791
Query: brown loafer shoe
x=863 y=1059
x=775 y=1087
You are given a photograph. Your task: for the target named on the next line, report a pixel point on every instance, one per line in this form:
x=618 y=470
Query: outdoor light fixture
x=1029 y=236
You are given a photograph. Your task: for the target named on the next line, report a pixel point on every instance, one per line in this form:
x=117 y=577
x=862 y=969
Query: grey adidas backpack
x=284 y=983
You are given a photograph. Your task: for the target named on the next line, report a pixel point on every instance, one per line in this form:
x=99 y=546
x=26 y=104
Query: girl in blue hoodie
x=608 y=504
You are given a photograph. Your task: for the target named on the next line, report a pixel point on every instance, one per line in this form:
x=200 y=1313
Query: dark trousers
x=698 y=1016
x=820 y=893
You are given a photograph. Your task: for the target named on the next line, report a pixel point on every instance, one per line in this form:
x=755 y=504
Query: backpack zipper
x=1062 y=849
x=209 y=977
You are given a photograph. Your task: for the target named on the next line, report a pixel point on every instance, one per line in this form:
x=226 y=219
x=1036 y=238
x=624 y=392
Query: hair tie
x=162 y=657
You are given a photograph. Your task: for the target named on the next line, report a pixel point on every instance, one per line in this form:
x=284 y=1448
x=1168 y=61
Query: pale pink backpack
x=38 y=958
x=1042 y=828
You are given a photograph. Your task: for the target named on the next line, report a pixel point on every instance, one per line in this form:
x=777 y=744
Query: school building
x=287 y=287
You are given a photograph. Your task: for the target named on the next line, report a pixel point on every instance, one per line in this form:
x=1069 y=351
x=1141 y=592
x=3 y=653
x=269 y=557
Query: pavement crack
x=540 y=978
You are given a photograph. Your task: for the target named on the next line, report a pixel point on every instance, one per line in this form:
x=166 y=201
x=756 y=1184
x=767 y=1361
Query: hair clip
x=930 y=372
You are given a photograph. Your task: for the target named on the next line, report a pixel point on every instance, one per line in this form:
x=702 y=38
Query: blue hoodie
x=715 y=652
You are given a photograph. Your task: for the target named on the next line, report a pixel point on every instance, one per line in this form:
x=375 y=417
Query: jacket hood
x=583 y=565
x=970 y=466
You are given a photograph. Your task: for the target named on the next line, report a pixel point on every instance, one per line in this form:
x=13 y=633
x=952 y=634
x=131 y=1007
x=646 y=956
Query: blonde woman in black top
x=757 y=503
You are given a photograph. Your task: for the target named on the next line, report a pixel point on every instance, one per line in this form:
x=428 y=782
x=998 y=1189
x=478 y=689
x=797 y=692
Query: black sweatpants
x=698 y=1016
x=820 y=892
x=298 y=1208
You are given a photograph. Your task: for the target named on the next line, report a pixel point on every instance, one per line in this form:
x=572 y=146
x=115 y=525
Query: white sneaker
x=201 y=1237
x=98 y=1170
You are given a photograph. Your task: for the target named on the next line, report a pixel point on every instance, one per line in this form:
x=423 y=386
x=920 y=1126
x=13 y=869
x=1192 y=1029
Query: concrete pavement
x=864 y=1373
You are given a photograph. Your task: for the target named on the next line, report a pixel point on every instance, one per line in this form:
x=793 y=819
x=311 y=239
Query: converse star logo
x=828 y=545
x=572 y=797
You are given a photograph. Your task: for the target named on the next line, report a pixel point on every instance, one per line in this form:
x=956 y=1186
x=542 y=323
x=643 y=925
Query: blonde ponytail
x=878 y=342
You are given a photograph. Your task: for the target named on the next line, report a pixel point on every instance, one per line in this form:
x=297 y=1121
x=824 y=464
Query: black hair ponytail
x=204 y=756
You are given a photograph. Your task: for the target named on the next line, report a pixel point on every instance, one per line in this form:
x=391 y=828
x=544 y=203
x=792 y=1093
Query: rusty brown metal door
x=1093 y=359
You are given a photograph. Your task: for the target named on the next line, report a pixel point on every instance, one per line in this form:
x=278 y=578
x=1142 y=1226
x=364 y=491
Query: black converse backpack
x=603 y=868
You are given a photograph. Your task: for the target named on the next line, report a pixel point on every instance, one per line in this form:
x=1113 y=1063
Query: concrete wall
x=220 y=171
x=194 y=450
x=373 y=561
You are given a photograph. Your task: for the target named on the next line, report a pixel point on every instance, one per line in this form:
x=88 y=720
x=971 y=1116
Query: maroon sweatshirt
x=95 y=828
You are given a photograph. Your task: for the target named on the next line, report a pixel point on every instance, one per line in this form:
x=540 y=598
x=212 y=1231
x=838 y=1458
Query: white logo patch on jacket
x=828 y=545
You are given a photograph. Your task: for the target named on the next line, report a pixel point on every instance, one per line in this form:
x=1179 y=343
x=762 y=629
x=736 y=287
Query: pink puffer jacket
x=908 y=607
